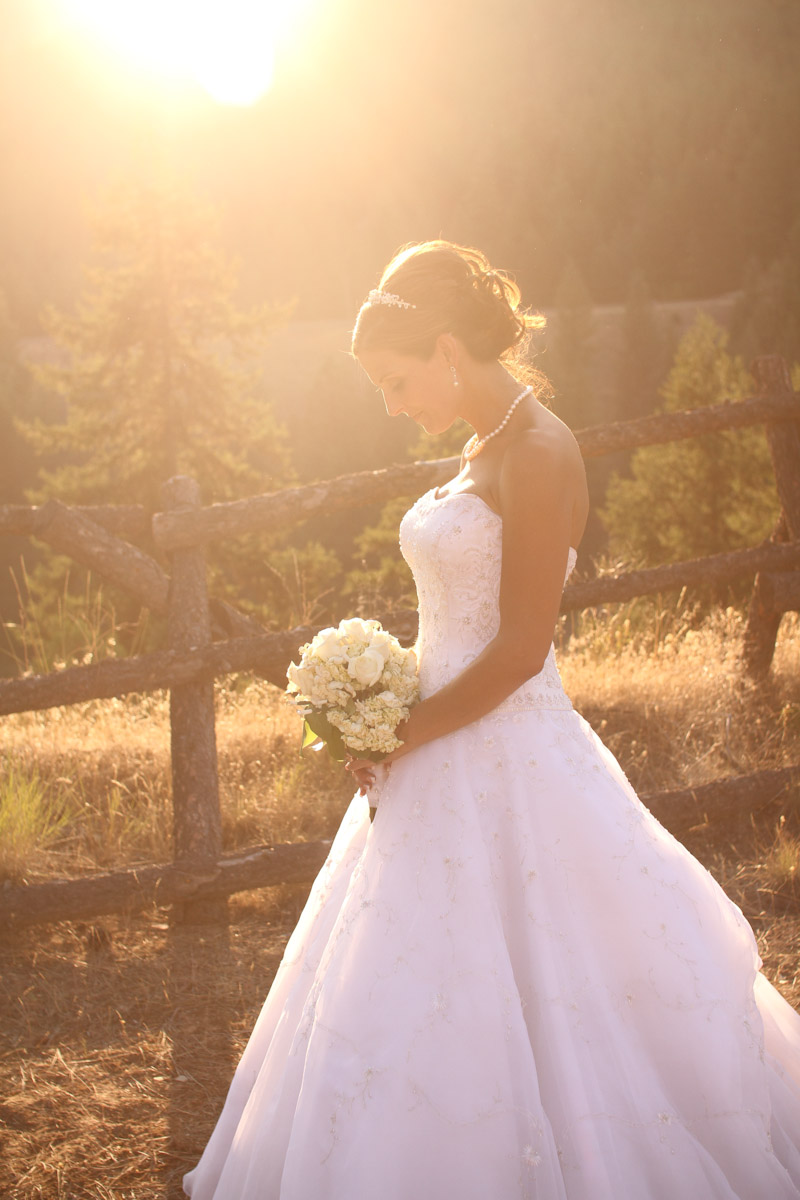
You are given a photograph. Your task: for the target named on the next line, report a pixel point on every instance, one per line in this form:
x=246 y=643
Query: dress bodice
x=453 y=545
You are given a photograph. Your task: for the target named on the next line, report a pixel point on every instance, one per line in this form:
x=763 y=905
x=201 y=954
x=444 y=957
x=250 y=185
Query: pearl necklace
x=474 y=446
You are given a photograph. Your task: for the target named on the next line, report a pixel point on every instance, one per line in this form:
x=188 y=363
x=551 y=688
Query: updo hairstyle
x=453 y=290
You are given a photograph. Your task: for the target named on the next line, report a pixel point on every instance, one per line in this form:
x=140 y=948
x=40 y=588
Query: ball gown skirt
x=514 y=983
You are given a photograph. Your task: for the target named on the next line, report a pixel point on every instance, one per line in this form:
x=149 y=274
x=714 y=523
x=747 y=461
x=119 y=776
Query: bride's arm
x=539 y=480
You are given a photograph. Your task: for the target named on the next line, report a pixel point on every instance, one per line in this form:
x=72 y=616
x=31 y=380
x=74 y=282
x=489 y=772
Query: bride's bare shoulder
x=554 y=430
x=546 y=440
x=536 y=460
x=542 y=468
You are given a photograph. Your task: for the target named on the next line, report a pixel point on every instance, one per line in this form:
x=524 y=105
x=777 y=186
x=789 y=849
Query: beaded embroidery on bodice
x=453 y=545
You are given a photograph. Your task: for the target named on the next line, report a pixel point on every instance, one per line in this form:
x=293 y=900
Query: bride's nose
x=393 y=407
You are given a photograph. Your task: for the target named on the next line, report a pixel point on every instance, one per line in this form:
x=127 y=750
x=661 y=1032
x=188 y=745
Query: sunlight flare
x=226 y=46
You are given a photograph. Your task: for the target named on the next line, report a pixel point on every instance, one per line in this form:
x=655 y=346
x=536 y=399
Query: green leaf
x=309 y=737
x=319 y=726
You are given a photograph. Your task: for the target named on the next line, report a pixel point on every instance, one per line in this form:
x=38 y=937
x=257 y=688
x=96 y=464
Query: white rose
x=382 y=643
x=356 y=630
x=302 y=677
x=410 y=663
x=366 y=668
x=327 y=644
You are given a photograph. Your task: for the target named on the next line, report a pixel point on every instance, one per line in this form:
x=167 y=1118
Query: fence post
x=195 y=789
x=764 y=616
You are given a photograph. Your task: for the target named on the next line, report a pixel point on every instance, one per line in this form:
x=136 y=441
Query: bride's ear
x=449 y=347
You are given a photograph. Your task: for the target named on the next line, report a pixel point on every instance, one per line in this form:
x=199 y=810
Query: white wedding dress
x=514 y=983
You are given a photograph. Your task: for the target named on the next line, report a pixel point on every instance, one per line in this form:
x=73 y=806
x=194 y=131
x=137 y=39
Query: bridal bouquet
x=354 y=685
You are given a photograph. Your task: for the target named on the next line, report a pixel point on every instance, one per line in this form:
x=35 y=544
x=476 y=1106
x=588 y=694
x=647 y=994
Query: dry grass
x=119 y=1038
x=674 y=706
x=102 y=769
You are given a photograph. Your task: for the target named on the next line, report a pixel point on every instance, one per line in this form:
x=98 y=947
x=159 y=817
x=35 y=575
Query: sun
x=226 y=46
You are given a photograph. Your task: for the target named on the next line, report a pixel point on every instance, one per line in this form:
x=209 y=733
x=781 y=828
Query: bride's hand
x=366 y=771
x=363 y=770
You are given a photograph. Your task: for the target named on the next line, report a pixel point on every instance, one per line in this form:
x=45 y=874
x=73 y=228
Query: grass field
x=119 y=1037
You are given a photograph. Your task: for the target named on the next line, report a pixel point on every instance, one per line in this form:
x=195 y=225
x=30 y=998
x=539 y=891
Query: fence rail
x=273 y=513
x=96 y=538
x=269 y=654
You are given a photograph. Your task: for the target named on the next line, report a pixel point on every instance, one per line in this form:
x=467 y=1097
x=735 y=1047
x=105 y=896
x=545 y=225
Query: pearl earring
x=454 y=373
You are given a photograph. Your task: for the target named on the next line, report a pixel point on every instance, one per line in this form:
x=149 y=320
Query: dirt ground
x=119 y=1040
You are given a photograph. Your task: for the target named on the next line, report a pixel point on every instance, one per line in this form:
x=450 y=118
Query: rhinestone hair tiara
x=378 y=297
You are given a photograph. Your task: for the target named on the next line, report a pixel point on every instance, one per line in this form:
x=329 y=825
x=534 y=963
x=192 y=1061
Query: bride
x=514 y=983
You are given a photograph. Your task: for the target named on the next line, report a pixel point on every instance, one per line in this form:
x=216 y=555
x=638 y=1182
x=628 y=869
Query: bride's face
x=421 y=388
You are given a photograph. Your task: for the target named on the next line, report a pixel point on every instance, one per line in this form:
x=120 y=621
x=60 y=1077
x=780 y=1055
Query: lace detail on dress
x=454 y=548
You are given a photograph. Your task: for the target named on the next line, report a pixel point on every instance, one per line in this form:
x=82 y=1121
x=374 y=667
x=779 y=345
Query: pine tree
x=18 y=399
x=342 y=424
x=160 y=368
x=381 y=578
x=707 y=494
x=567 y=361
x=158 y=373
x=640 y=363
x=15 y=390
x=767 y=320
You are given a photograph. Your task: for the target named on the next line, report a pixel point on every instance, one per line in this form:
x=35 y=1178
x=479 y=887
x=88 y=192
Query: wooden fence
x=210 y=638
